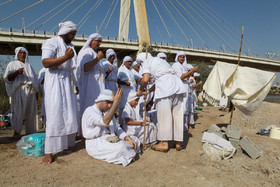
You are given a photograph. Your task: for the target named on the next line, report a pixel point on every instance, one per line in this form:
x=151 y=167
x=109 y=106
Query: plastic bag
x=32 y=145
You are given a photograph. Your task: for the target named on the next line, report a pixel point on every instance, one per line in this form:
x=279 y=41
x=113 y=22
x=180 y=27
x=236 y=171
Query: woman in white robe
x=134 y=126
x=137 y=77
x=126 y=82
x=106 y=140
x=110 y=67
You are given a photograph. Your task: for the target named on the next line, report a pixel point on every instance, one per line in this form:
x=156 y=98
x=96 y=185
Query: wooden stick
x=231 y=114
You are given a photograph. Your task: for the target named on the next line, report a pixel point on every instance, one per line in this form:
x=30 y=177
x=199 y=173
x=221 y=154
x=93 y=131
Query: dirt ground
x=189 y=167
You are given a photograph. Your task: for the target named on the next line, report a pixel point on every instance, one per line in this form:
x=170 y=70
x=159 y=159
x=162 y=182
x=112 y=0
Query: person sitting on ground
x=105 y=140
x=136 y=127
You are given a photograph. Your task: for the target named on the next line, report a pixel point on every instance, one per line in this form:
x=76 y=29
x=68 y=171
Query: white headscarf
x=132 y=96
x=134 y=64
x=66 y=27
x=161 y=55
x=94 y=36
x=186 y=66
x=127 y=59
x=111 y=52
x=141 y=57
x=28 y=70
x=105 y=95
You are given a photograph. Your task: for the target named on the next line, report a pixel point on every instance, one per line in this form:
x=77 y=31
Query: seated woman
x=136 y=127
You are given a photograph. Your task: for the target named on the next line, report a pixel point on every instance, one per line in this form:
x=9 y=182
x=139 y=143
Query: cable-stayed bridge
x=166 y=25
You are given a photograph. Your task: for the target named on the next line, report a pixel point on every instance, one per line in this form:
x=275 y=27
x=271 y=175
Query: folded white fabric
x=246 y=87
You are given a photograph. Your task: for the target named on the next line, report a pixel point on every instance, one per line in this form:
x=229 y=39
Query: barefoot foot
x=47 y=159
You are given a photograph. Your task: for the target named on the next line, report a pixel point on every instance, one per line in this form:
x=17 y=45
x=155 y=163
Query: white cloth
x=91 y=83
x=96 y=133
x=246 y=87
x=41 y=78
x=60 y=99
x=22 y=92
x=66 y=27
x=105 y=95
x=138 y=130
x=224 y=101
x=166 y=82
x=55 y=144
x=136 y=77
x=161 y=55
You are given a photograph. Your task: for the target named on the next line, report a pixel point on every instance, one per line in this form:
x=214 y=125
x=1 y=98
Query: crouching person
x=105 y=140
x=135 y=126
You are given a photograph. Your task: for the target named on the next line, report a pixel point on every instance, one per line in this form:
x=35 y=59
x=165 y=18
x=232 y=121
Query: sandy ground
x=189 y=167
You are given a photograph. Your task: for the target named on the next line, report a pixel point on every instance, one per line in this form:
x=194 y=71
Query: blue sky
x=259 y=18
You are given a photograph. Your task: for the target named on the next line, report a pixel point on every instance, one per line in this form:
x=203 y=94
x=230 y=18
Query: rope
x=46 y=14
x=190 y=25
x=54 y=15
x=91 y=13
x=6 y=2
x=175 y=21
x=215 y=23
x=88 y=12
x=69 y=14
x=110 y=17
x=106 y=15
x=21 y=11
x=162 y=21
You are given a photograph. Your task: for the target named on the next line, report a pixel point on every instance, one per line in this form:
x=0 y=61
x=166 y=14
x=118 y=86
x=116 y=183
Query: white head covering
x=186 y=66
x=132 y=96
x=94 y=36
x=66 y=27
x=111 y=52
x=196 y=74
x=105 y=95
x=134 y=63
x=141 y=57
x=28 y=70
x=161 y=55
x=127 y=59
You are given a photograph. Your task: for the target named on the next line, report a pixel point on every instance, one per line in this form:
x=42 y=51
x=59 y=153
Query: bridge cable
x=174 y=21
x=6 y=2
x=199 y=24
x=110 y=18
x=69 y=15
x=106 y=15
x=54 y=15
x=236 y=30
x=160 y=35
x=21 y=11
x=91 y=13
x=200 y=36
x=88 y=12
x=46 y=13
x=162 y=21
x=209 y=26
x=215 y=23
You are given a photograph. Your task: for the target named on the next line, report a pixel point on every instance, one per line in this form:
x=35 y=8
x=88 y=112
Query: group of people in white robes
x=82 y=94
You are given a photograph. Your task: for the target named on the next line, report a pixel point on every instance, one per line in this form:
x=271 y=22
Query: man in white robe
x=137 y=77
x=111 y=71
x=169 y=93
x=90 y=72
x=127 y=82
x=180 y=68
x=135 y=126
x=58 y=57
x=105 y=140
x=21 y=86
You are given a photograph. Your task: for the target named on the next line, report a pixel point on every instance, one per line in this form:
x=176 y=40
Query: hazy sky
x=208 y=28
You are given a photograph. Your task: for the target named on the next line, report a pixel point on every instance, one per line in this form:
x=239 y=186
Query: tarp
x=246 y=87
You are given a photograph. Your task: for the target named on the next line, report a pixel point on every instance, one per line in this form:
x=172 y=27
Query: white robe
x=91 y=83
x=23 y=98
x=138 y=130
x=112 y=78
x=60 y=99
x=169 y=91
x=136 y=77
x=96 y=133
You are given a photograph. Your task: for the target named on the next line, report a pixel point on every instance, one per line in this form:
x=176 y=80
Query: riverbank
x=189 y=167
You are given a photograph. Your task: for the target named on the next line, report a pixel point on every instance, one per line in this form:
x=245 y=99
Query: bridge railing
x=108 y=38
